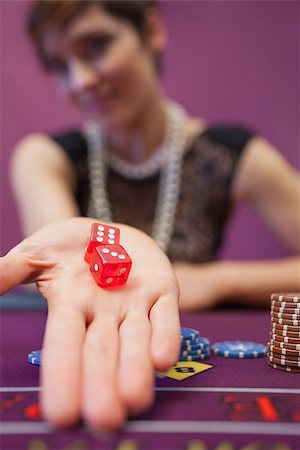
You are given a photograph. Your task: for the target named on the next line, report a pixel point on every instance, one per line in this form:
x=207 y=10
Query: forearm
x=253 y=282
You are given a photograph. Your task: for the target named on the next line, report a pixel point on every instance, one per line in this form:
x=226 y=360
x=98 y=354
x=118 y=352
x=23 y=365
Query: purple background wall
x=226 y=60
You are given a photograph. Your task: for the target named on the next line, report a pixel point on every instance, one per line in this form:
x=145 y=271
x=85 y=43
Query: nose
x=82 y=76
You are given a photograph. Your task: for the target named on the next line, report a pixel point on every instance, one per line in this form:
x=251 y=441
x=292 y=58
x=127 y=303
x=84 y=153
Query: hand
x=201 y=286
x=101 y=346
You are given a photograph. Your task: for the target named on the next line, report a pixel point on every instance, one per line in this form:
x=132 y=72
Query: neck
x=137 y=143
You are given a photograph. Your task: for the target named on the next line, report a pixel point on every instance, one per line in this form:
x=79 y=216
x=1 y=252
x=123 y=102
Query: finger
x=14 y=269
x=61 y=367
x=136 y=370
x=165 y=341
x=19 y=267
x=102 y=404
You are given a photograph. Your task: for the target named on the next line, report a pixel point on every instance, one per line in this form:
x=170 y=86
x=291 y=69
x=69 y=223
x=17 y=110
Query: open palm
x=101 y=346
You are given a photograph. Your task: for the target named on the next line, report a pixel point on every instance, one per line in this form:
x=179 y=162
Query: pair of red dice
x=109 y=262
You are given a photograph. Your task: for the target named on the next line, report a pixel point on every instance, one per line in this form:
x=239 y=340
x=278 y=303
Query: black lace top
x=204 y=204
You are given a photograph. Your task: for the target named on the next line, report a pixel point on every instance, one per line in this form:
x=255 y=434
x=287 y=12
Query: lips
x=95 y=104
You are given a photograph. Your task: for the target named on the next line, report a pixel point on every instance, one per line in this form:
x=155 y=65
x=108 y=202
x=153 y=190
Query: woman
x=140 y=160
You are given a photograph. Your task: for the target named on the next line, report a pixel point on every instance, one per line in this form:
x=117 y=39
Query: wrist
x=227 y=280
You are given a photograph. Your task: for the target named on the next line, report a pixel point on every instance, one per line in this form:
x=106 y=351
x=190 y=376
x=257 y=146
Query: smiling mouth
x=96 y=104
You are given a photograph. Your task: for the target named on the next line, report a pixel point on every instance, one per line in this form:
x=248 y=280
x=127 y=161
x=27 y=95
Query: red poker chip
x=288 y=311
x=285 y=326
x=291 y=297
x=284 y=351
x=285 y=345
x=283 y=356
x=285 y=333
x=282 y=324
x=286 y=307
x=283 y=361
x=284 y=321
x=287 y=339
x=285 y=315
x=284 y=368
x=280 y=315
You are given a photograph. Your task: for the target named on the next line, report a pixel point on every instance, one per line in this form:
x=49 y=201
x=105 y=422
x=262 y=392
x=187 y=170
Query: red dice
x=110 y=265
x=99 y=235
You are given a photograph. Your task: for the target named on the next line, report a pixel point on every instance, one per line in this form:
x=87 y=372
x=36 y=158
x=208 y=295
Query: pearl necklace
x=167 y=159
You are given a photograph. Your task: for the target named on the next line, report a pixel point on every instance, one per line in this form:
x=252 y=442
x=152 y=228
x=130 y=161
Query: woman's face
x=103 y=67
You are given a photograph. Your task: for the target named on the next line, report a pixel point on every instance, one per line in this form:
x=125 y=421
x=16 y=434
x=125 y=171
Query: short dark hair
x=45 y=14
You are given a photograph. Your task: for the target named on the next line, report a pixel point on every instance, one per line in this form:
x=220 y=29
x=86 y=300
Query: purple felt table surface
x=236 y=403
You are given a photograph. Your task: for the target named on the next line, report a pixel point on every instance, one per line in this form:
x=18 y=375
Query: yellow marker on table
x=184 y=369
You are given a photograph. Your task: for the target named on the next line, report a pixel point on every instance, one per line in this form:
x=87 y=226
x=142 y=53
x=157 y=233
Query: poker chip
x=285 y=351
x=285 y=332
x=284 y=361
x=275 y=354
x=293 y=297
x=35 y=357
x=239 y=349
x=285 y=315
x=193 y=358
x=189 y=335
x=285 y=309
x=285 y=368
x=286 y=328
x=194 y=353
x=281 y=319
x=200 y=343
x=290 y=314
x=284 y=346
x=286 y=305
x=193 y=346
x=283 y=338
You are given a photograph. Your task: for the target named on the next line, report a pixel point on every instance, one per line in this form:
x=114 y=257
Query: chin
x=112 y=120
x=115 y=122
x=110 y=124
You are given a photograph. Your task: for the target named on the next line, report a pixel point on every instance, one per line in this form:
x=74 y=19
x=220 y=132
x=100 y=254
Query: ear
x=156 y=31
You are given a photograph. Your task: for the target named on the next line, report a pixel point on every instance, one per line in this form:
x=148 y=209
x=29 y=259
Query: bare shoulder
x=38 y=148
x=43 y=181
x=262 y=167
x=267 y=181
x=195 y=126
x=37 y=156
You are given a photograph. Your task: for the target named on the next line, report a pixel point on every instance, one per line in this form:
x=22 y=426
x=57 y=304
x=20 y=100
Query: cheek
x=124 y=67
x=115 y=69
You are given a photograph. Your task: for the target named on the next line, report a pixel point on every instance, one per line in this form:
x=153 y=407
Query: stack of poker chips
x=193 y=346
x=284 y=346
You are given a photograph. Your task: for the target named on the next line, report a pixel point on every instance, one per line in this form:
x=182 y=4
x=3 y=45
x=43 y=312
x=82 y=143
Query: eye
x=97 y=45
x=57 y=67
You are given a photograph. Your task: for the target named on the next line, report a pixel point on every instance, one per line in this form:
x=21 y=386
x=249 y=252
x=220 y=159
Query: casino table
x=224 y=404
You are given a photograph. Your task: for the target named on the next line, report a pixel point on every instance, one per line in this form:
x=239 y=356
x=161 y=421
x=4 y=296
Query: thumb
x=17 y=267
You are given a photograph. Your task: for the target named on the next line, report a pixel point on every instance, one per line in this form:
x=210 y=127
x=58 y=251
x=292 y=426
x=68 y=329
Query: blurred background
x=226 y=61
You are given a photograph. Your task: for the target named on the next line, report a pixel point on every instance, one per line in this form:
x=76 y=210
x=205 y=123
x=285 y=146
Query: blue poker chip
x=199 y=343
x=189 y=334
x=189 y=341
x=239 y=349
x=35 y=357
x=193 y=358
x=194 y=352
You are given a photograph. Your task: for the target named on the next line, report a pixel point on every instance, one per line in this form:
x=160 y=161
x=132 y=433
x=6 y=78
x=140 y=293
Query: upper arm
x=266 y=180
x=43 y=182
